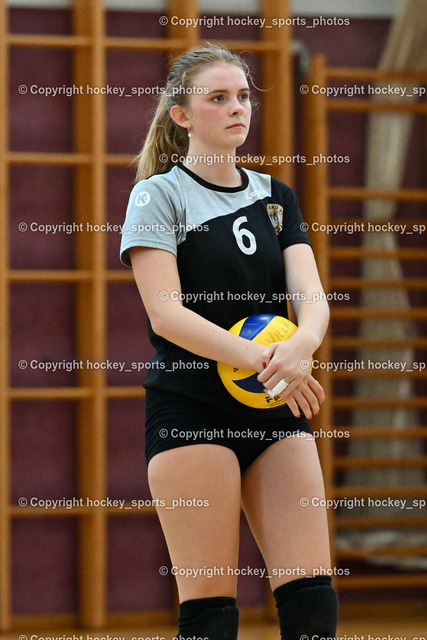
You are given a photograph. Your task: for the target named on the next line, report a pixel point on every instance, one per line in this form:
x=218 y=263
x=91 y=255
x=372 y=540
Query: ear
x=179 y=116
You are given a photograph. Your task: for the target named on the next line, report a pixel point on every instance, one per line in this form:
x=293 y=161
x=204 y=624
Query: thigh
x=293 y=538
x=202 y=540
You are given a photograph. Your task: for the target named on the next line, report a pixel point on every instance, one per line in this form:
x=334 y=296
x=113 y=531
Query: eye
x=245 y=97
x=219 y=98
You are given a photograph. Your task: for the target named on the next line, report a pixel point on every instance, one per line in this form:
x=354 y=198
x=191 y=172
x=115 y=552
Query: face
x=219 y=119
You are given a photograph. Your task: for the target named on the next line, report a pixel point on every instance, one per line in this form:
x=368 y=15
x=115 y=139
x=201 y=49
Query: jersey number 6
x=240 y=233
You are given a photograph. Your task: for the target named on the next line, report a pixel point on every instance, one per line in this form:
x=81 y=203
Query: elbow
x=162 y=321
x=158 y=325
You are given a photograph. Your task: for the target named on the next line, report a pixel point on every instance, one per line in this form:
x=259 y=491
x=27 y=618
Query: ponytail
x=166 y=139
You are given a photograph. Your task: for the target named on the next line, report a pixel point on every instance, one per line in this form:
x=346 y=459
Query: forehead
x=221 y=75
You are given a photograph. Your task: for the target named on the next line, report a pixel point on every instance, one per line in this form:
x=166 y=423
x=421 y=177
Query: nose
x=236 y=106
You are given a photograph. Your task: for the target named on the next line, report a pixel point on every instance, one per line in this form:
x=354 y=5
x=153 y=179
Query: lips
x=238 y=125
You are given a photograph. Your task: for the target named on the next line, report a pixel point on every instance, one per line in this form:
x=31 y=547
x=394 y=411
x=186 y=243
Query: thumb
x=268 y=353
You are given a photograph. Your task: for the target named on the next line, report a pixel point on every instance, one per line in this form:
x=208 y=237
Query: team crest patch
x=275 y=213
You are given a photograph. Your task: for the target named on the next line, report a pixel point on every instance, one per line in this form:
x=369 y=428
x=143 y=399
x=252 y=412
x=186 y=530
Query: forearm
x=311 y=309
x=312 y=320
x=191 y=331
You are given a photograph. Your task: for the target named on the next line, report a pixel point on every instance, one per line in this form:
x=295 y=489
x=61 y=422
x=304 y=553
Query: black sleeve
x=293 y=227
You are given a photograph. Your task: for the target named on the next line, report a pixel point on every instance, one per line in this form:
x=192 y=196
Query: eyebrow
x=226 y=90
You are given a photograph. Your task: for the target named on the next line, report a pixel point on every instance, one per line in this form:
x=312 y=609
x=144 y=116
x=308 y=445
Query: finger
x=293 y=406
x=317 y=389
x=303 y=403
x=267 y=354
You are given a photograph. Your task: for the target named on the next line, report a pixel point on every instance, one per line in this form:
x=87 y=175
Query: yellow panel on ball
x=243 y=385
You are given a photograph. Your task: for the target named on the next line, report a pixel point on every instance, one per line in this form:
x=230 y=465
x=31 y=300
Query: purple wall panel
x=41 y=197
x=42 y=332
x=126 y=469
x=127 y=335
x=120 y=181
x=43 y=451
x=136 y=551
x=44 y=566
x=40 y=122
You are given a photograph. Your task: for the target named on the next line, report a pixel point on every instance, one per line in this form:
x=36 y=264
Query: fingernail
x=264 y=364
x=316 y=413
x=277 y=397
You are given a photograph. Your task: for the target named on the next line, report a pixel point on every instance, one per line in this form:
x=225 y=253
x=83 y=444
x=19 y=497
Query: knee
x=307 y=606
x=214 y=618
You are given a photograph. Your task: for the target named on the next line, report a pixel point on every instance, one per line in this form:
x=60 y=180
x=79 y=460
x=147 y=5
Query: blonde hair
x=165 y=137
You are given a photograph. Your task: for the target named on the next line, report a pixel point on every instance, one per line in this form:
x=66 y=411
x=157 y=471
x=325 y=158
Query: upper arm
x=302 y=276
x=157 y=278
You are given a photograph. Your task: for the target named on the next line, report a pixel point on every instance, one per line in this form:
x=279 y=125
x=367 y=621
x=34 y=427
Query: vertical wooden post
x=277 y=117
x=316 y=209
x=189 y=35
x=5 y=525
x=91 y=320
x=276 y=79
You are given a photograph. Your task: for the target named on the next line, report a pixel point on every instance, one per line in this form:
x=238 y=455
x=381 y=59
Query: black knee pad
x=307 y=607
x=212 y=618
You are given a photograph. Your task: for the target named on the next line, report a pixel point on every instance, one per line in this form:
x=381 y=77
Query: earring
x=189 y=133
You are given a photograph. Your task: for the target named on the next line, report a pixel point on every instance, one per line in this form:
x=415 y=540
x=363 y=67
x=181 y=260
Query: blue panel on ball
x=254 y=324
x=250 y=384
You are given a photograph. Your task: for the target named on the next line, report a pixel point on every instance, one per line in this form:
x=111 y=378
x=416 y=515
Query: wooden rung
x=125 y=392
x=33 y=157
x=48 y=276
x=369 y=491
x=359 y=343
x=162 y=44
x=258 y=46
x=72 y=393
x=119 y=275
x=390 y=522
x=51 y=393
x=342 y=462
x=373 y=226
x=365 y=193
x=380 y=403
x=368 y=106
x=356 y=73
x=356 y=313
x=45 y=621
x=144 y=44
x=51 y=41
x=358 y=253
x=119 y=159
x=40 y=512
x=379 y=373
x=79 y=511
x=383 y=283
x=377 y=432
x=382 y=581
x=390 y=551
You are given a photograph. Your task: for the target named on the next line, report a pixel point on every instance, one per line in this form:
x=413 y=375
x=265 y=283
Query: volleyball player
x=201 y=235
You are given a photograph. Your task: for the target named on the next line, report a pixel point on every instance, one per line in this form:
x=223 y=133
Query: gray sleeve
x=151 y=218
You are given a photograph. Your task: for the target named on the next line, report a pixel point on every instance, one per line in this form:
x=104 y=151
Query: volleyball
x=243 y=385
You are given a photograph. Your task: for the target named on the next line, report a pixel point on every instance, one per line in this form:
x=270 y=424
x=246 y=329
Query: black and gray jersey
x=228 y=243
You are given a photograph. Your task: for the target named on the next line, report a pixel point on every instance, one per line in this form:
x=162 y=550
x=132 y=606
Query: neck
x=215 y=167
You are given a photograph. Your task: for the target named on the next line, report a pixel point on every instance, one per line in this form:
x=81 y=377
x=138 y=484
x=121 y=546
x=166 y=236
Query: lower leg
x=307 y=607
x=210 y=618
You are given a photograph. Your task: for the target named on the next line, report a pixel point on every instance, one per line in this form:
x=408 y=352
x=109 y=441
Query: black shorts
x=174 y=421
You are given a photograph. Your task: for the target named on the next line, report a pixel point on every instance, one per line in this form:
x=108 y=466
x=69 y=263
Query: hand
x=285 y=360
x=288 y=360
x=307 y=393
